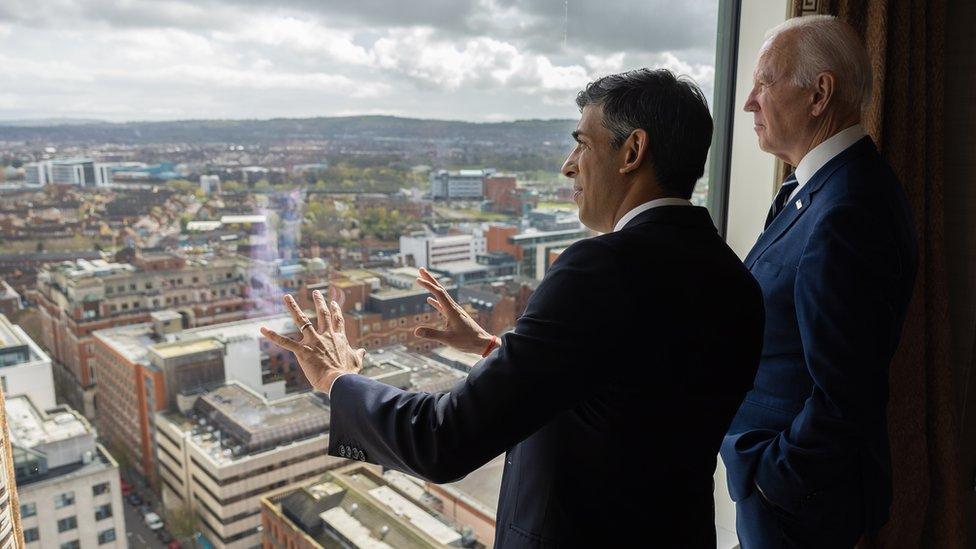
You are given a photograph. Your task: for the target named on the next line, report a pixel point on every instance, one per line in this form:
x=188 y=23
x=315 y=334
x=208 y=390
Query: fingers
x=429 y=277
x=435 y=304
x=439 y=292
x=296 y=312
x=427 y=332
x=281 y=341
x=338 y=322
x=321 y=311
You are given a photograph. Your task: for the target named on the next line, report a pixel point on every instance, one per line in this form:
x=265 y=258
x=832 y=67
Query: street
x=137 y=533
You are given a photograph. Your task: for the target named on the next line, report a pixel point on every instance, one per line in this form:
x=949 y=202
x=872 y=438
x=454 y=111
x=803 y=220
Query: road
x=138 y=534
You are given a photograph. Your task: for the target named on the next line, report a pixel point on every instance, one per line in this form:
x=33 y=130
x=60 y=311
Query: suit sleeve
x=849 y=330
x=557 y=354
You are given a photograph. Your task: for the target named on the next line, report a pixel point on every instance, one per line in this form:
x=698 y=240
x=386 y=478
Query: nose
x=570 y=169
x=751 y=104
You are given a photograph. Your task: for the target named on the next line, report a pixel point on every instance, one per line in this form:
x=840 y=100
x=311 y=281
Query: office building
x=148 y=367
x=230 y=447
x=67 y=484
x=25 y=369
x=459 y=185
x=210 y=184
x=11 y=531
x=425 y=250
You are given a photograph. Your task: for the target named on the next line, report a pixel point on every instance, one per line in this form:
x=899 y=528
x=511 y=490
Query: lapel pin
x=799 y=204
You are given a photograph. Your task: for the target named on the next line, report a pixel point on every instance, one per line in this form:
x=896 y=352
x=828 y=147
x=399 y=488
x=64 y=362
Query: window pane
x=28 y=510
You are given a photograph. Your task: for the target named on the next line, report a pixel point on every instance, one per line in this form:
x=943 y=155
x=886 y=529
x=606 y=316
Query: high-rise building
x=24 y=368
x=67 y=484
x=76 y=298
x=11 y=530
x=82 y=172
x=149 y=367
x=230 y=447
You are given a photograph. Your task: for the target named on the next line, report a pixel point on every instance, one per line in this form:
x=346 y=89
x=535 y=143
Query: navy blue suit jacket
x=836 y=269
x=611 y=395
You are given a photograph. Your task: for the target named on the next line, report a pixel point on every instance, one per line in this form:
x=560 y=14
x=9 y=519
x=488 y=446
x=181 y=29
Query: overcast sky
x=479 y=60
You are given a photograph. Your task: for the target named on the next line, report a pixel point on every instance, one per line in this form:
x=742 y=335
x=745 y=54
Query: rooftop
x=30 y=427
x=426 y=374
x=186 y=347
x=232 y=421
x=368 y=510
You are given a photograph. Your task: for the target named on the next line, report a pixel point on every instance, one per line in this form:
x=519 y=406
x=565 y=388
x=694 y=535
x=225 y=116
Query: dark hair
x=672 y=111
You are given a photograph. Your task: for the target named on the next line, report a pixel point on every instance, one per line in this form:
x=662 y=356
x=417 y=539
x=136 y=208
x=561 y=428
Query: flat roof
x=30 y=427
x=258 y=423
x=187 y=347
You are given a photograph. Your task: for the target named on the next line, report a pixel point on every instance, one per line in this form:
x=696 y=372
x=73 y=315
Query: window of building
x=28 y=510
x=103 y=511
x=67 y=523
x=71 y=545
x=64 y=500
x=106 y=536
x=101 y=488
x=31 y=534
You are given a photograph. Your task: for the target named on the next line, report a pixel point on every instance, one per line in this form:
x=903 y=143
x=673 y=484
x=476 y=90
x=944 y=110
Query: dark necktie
x=784 y=192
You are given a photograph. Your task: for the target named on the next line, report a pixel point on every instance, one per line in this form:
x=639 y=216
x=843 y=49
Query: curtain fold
x=905 y=42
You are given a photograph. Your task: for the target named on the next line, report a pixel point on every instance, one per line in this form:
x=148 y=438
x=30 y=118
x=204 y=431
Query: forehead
x=591 y=119
x=774 y=59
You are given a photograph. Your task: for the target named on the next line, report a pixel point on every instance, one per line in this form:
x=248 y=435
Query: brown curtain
x=905 y=40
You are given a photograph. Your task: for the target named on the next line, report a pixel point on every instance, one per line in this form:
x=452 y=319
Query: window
x=71 y=545
x=64 y=500
x=101 y=488
x=106 y=536
x=31 y=534
x=103 y=511
x=67 y=523
x=28 y=510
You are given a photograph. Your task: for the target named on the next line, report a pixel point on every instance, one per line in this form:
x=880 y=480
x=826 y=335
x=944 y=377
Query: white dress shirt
x=817 y=158
x=647 y=206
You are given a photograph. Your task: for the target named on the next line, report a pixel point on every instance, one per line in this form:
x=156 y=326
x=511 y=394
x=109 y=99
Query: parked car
x=145 y=509
x=153 y=521
x=126 y=489
x=134 y=499
x=174 y=545
x=163 y=535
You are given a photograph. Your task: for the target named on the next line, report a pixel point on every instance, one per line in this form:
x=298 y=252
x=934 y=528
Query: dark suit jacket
x=610 y=396
x=836 y=275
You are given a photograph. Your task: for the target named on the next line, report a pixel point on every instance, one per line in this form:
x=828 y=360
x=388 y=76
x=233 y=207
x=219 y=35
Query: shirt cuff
x=336 y=378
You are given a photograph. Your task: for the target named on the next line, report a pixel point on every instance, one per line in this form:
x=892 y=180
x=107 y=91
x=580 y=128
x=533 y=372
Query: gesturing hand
x=323 y=353
x=462 y=332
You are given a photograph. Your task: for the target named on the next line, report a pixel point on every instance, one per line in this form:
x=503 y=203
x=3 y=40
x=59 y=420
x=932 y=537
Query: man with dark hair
x=612 y=393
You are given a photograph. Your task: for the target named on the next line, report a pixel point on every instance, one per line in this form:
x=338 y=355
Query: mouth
x=577 y=192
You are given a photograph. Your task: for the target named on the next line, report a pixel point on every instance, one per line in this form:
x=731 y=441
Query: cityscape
x=169 y=171
x=138 y=262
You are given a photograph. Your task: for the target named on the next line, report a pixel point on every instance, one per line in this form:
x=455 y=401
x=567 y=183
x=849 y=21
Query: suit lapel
x=803 y=201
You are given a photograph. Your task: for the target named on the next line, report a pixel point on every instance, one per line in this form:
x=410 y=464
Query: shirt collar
x=669 y=201
x=817 y=158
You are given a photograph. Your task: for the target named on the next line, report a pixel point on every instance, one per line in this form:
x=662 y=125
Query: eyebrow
x=577 y=134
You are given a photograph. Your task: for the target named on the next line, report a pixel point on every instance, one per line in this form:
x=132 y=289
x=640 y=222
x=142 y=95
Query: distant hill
x=372 y=128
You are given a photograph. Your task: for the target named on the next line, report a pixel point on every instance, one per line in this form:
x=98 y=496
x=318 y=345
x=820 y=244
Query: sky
x=477 y=60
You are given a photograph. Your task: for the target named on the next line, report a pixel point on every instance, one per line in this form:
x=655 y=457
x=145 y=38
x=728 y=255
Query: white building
x=234 y=447
x=24 y=368
x=68 y=485
x=429 y=251
x=210 y=183
x=462 y=185
x=37 y=174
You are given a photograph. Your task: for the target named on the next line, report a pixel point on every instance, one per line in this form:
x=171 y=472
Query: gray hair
x=825 y=43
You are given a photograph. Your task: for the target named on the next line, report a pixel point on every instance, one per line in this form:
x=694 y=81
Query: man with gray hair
x=807 y=453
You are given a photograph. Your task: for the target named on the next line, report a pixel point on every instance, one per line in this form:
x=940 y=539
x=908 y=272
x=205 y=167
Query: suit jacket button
x=362 y=456
x=342 y=450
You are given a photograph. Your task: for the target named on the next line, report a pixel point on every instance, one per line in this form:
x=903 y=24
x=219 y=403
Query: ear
x=823 y=92
x=634 y=149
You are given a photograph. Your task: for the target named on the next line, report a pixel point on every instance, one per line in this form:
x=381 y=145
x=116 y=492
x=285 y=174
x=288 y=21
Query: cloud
x=472 y=59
